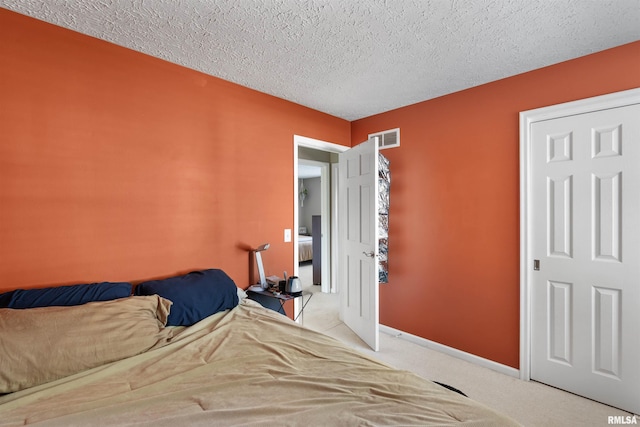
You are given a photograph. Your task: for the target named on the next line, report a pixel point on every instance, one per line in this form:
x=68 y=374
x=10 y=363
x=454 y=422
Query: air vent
x=388 y=138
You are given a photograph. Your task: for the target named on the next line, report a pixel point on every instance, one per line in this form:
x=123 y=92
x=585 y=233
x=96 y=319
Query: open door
x=358 y=240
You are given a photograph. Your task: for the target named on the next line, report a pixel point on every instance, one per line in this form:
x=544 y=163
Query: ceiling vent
x=388 y=138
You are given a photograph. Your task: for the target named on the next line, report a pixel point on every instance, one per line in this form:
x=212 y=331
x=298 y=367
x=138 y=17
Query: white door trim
x=334 y=229
x=527 y=118
x=317 y=144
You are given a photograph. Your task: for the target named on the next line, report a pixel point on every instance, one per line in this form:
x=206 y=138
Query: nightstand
x=276 y=302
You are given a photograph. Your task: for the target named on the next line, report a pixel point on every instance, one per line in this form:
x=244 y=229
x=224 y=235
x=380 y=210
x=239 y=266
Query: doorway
x=314 y=218
x=321 y=156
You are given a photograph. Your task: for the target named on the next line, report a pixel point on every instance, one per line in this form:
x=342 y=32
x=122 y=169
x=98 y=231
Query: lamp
x=263 y=280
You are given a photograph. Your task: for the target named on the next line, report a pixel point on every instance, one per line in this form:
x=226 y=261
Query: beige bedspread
x=305 y=248
x=246 y=366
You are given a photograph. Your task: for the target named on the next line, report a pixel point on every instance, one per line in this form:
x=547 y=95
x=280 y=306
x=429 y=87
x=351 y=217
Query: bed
x=243 y=365
x=305 y=248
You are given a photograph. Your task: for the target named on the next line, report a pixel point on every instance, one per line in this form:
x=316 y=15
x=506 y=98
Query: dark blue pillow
x=195 y=295
x=5 y=299
x=67 y=295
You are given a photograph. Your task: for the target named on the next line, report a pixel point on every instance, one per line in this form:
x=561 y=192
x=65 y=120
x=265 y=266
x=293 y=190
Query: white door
x=358 y=236
x=586 y=236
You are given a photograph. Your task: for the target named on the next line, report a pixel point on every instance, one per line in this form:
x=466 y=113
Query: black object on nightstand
x=276 y=301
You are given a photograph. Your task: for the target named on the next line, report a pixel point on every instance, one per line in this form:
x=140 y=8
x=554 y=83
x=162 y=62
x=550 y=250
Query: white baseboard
x=472 y=358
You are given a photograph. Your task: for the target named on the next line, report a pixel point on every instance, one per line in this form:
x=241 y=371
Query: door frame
x=527 y=118
x=316 y=144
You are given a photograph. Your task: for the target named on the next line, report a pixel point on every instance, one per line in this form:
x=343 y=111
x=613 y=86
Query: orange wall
x=118 y=166
x=454 y=219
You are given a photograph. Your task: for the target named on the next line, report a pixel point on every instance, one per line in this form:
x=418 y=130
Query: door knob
x=369 y=254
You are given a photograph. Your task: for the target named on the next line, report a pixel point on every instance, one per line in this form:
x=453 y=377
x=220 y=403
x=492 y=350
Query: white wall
x=312 y=204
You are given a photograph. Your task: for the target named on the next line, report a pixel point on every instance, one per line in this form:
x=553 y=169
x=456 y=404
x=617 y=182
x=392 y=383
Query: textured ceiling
x=352 y=58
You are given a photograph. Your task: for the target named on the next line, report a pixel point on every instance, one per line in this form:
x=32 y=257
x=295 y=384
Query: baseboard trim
x=472 y=358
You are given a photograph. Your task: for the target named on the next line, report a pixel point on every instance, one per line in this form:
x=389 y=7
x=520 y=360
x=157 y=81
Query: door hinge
x=536 y=264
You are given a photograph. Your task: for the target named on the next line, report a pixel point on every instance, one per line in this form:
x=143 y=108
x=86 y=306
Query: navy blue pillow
x=195 y=295
x=65 y=295
x=5 y=299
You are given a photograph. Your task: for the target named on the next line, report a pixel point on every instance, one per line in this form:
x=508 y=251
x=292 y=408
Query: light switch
x=287 y=235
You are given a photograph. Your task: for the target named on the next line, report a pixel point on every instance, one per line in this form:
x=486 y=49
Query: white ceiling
x=352 y=58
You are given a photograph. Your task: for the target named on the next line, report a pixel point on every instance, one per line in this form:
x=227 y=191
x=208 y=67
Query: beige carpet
x=322 y=311
x=528 y=402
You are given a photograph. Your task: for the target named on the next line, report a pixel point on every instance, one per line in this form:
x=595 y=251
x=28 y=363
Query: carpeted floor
x=322 y=311
x=528 y=402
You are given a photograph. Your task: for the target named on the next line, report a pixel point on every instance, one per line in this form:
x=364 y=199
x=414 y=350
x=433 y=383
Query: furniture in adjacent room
x=305 y=248
x=316 y=232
